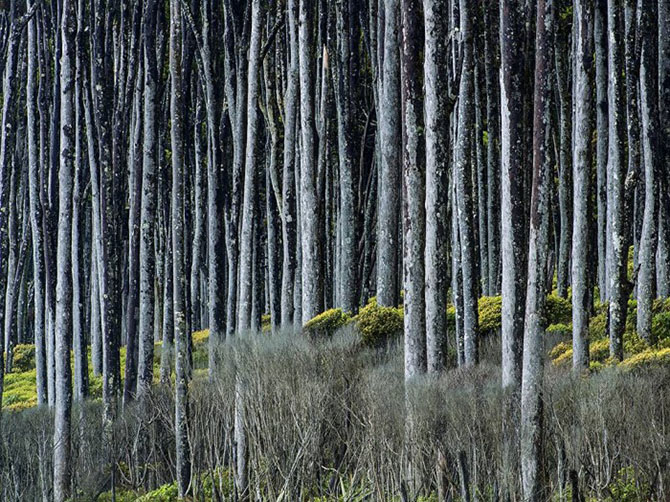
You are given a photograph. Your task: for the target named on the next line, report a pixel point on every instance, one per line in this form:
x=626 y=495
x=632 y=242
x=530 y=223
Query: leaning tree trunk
x=581 y=287
x=63 y=402
x=533 y=343
x=646 y=290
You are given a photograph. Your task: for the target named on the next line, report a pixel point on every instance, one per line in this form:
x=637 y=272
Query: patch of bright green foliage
x=20 y=389
x=637 y=352
x=203 y=490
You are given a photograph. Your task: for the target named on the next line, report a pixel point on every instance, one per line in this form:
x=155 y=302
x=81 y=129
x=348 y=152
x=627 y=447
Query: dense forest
x=347 y=250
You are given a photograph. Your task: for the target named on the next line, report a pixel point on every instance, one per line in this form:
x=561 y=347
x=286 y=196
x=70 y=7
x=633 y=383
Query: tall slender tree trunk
x=464 y=190
x=288 y=209
x=533 y=343
x=414 y=193
x=390 y=167
x=437 y=111
x=649 y=104
x=183 y=458
x=663 y=269
x=616 y=172
x=602 y=106
x=34 y=184
x=582 y=175
x=346 y=280
x=63 y=402
x=251 y=194
x=147 y=272
x=312 y=271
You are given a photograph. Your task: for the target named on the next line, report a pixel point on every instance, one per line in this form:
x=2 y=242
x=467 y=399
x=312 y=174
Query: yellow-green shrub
x=377 y=324
x=660 y=326
x=23 y=358
x=266 y=323
x=560 y=329
x=490 y=313
x=598 y=326
x=648 y=357
x=558 y=310
x=326 y=323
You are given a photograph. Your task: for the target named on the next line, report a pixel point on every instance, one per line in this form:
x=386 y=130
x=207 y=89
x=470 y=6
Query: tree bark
x=616 y=169
x=649 y=103
x=533 y=342
x=582 y=175
x=390 y=167
x=312 y=275
x=437 y=111
x=181 y=334
x=414 y=192
x=63 y=401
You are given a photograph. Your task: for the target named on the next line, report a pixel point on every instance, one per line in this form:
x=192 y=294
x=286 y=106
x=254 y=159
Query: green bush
x=660 y=326
x=378 y=324
x=24 y=358
x=598 y=326
x=326 y=323
x=558 y=310
x=490 y=313
x=560 y=329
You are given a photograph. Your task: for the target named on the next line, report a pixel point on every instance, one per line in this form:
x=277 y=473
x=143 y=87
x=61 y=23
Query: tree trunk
x=437 y=111
x=145 y=328
x=533 y=343
x=616 y=169
x=414 y=191
x=389 y=178
x=181 y=334
x=646 y=286
x=464 y=190
x=63 y=402
x=583 y=120
x=312 y=278
x=601 y=51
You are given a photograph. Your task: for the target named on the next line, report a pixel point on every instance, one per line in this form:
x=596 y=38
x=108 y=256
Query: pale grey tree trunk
x=513 y=173
x=347 y=284
x=437 y=111
x=663 y=272
x=63 y=402
x=249 y=205
x=312 y=276
x=491 y=48
x=79 y=345
x=565 y=104
x=414 y=193
x=463 y=176
x=181 y=334
x=582 y=175
x=288 y=209
x=600 y=39
x=649 y=105
x=199 y=217
x=616 y=171
x=145 y=366
x=34 y=188
x=535 y=323
x=388 y=244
